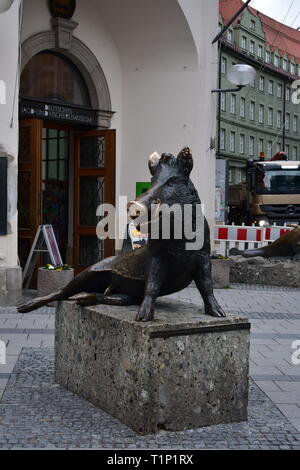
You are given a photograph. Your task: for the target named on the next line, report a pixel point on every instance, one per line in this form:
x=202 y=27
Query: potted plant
x=52 y=278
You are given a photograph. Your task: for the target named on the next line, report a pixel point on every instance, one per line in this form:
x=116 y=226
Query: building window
x=242 y=143
x=268 y=57
x=223 y=102
x=232 y=141
x=252 y=84
x=244 y=42
x=222 y=139
x=233 y=104
x=220 y=27
x=269 y=149
x=251 y=145
x=295 y=153
x=253 y=25
x=295 y=124
x=261 y=145
x=288 y=94
x=260 y=52
x=238 y=175
x=299 y=71
x=292 y=69
x=287 y=121
x=252 y=111
x=270 y=117
x=229 y=35
x=49 y=76
x=271 y=87
x=279 y=91
x=230 y=175
x=276 y=60
x=261 y=84
x=261 y=113
x=284 y=64
x=224 y=65
x=252 y=47
x=278 y=119
x=242 y=107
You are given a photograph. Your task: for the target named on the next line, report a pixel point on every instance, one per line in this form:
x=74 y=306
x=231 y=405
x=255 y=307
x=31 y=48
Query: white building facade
x=90 y=93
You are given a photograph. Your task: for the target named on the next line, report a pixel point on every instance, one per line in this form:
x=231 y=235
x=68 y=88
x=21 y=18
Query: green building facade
x=261 y=117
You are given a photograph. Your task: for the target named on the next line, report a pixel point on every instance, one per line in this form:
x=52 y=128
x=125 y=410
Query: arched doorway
x=66 y=165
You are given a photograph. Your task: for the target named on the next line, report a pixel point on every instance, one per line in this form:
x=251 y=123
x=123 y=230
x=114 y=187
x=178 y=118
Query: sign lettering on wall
x=30 y=108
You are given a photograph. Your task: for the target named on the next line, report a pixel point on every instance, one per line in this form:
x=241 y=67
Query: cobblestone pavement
x=34 y=412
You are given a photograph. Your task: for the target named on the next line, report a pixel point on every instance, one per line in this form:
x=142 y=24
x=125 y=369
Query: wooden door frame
x=34 y=167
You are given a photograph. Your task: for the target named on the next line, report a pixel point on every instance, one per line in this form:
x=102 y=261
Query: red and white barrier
x=243 y=237
x=239 y=234
x=272 y=233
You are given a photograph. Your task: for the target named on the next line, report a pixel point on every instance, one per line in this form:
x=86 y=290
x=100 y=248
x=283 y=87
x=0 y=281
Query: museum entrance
x=66 y=166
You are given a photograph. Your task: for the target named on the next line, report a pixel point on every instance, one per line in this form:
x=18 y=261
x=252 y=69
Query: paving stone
x=290 y=411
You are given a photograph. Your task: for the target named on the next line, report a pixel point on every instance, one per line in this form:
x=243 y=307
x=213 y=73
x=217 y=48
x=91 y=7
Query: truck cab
x=271 y=194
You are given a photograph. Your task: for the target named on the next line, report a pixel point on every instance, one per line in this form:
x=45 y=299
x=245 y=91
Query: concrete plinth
x=184 y=370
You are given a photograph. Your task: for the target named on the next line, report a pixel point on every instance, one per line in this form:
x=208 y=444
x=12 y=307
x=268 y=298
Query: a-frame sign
x=44 y=242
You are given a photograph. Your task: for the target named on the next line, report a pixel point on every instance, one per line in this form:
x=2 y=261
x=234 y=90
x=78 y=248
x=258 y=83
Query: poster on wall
x=221 y=191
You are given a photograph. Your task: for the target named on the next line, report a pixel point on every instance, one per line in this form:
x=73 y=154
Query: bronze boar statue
x=159 y=268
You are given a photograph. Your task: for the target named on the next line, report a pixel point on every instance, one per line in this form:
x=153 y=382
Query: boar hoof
x=215 y=311
x=145 y=314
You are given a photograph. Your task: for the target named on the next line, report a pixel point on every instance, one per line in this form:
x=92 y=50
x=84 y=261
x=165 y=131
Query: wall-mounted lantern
x=240 y=75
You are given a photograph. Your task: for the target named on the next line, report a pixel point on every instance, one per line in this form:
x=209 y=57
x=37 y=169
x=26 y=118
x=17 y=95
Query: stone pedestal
x=183 y=370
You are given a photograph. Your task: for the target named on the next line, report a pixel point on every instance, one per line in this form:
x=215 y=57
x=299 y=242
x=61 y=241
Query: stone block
x=220 y=270
x=10 y=285
x=181 y=371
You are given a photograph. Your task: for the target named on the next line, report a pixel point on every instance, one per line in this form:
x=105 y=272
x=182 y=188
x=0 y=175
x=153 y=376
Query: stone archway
x=84 y=60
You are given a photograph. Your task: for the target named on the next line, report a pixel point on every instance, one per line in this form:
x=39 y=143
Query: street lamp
x=5 y=5
x=240 y=75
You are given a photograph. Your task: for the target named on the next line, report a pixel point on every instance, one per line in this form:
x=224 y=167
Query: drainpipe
x=284 y=117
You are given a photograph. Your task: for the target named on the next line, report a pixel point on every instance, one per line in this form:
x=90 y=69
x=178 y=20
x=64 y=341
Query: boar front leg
x=203 y=280
x=154 y=279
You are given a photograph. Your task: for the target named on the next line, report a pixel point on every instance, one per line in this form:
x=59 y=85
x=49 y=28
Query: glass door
x=94 y=184
x=55 y=176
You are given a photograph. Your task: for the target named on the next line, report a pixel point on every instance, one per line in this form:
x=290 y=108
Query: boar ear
x=185 y=160
x=153 y=162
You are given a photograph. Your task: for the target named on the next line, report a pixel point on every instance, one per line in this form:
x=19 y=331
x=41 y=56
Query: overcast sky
x=278 y=10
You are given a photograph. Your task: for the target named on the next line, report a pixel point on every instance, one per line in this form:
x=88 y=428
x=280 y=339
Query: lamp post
x=5 y=5
x=240 y=75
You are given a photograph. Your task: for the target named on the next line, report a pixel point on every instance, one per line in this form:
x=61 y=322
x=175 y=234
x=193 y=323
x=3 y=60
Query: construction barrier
x=245 y=237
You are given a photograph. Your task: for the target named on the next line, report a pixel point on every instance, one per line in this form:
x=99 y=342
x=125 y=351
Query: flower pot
x=52 y=280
